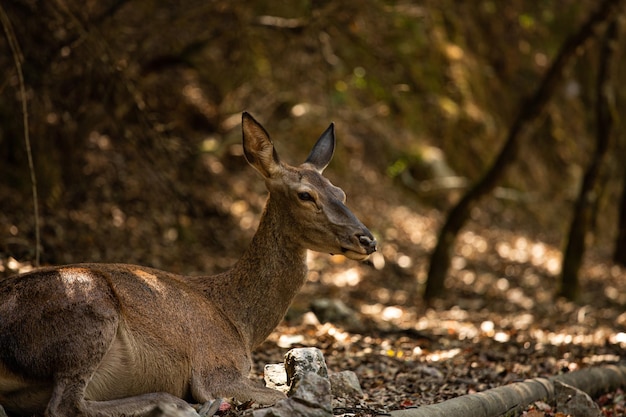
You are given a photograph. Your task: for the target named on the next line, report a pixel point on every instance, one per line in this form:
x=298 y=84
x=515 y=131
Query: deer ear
x=258 y=147
x=323 y=150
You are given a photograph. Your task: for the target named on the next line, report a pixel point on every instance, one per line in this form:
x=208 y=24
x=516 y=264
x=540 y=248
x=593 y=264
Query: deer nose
x=368 y=242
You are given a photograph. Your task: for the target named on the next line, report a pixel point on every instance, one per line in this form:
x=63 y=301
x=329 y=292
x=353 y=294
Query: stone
x=337 y=312
x=301 y=361
x=312 y=398
x=572 y=401
x=345 y=384
x=309 y=387
x=313 y=391
x=310 y=319
x=275 y=377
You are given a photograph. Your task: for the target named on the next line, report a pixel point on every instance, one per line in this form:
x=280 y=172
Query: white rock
x=276 y=377
x=301 y=361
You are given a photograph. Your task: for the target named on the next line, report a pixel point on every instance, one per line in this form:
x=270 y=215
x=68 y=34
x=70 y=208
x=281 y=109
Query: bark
x=511 y=399
x=589 y=193
x=619 y=254
x=529 y=112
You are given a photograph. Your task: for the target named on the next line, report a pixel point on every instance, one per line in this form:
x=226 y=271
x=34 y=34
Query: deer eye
x=304 y=196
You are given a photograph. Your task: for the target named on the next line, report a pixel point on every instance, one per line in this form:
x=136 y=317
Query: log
x=511 y=399
x=596 y=380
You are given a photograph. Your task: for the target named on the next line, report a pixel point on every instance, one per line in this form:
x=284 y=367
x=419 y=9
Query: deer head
x=308 y=201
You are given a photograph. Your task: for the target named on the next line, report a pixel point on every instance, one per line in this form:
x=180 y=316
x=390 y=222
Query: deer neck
x=256 y=293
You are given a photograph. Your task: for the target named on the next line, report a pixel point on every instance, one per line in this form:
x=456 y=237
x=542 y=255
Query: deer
x=112 y=340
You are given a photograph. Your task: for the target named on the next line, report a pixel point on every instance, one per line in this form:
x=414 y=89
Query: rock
x=309 y=393
x=311 y=398
x=310 y=319
x=305 y=376
x=276 y=377
x=301 y=361
x=345 y=384
x=314 y=391
x=2 y=412
x=337 y=312
x=570 y=400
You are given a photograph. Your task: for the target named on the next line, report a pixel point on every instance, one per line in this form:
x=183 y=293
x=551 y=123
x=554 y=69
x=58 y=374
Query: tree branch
x=529 y=112
x=17 y=59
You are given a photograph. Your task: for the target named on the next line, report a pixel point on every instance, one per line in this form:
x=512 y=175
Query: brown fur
x=115 y=339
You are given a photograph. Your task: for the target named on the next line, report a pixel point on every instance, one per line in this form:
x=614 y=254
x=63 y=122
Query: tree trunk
x=512 y=399
x=529 y=112
x=619 y=255
x=584 y=208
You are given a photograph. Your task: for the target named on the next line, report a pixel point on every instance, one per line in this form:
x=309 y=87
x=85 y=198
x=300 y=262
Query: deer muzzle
x=368 y=242
x=362 y=245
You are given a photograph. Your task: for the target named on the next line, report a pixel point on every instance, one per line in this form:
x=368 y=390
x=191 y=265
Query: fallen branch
x=511 y=399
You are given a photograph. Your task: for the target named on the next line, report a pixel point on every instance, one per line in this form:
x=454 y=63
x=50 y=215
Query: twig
x=17 y=58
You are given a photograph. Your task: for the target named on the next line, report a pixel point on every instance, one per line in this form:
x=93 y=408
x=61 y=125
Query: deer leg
x=68 y=400
x=231 y=384
x=73 y=376
x=260 y=395
x=139 y=406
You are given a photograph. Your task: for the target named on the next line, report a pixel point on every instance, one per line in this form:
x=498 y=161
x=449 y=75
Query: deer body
x=109 y=340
